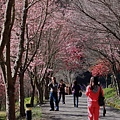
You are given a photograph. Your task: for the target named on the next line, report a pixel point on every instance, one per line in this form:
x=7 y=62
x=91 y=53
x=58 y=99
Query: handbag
x=101 y=98
x=80 y=94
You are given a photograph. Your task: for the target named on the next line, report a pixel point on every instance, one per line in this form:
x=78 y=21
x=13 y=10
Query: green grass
x=36 y=114
x=111 y=98
x=36 y=111
x=2 y=115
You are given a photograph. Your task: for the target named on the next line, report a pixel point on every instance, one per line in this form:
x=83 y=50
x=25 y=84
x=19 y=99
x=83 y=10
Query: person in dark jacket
x=104 y=109
x=61 y=88
x=75 y=90
x=53 y=94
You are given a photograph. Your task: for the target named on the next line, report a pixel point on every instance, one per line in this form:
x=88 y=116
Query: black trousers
x=62 y=94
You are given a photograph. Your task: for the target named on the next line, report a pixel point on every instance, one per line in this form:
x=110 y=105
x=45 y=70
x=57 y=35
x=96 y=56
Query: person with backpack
x=92 y=93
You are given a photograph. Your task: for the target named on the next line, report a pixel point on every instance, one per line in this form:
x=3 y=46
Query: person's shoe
x=56 y=109
x=63 y=102
x=104 y=112
x=51 y=109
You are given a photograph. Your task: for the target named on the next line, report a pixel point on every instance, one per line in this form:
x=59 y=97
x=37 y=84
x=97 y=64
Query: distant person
x=92 y=93
x=53 y=94
x=104 y=109
x=75 y=90
x=61 y=88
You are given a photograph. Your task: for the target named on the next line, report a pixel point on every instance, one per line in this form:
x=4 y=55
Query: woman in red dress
x=92 y=93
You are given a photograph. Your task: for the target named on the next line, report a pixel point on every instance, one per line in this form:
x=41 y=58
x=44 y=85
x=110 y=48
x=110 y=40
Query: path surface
x=69 y=112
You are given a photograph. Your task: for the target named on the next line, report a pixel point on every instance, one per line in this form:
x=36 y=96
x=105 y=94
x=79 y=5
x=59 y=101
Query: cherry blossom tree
x=101 y=68
x=34 y=34
x=97 y=24
x=69 y=58
x=6 y=68
x=64 y=45
x=10 y=72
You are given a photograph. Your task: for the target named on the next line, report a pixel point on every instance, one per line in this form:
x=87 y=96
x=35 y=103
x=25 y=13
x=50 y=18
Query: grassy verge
x=36 y=111
x=2 y=115
x=36 y=114
x=111 y=98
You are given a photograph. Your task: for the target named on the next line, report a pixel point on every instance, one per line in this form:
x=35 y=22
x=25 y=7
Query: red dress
x=93 y=107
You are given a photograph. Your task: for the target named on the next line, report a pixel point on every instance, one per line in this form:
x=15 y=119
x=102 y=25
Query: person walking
x=75 y=90
x=92 y=93
x=61 y=88
x=104 y=109
x=53 y=94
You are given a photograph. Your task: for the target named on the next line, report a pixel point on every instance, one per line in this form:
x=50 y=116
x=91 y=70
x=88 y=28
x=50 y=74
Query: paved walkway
x=69 y=112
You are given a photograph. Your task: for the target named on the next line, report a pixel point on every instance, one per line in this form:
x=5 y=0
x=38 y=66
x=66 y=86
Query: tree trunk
x=8 y=78
x=106 y=80
x=47 y=88
x=10 y=102
x=21 y=50
x=8 y=23
x=113 y=79
x=40 y=93
x=40 y=96
x=0 y=105
x=117 y=79
x=21 y=95
x=118 y=85
x=32 y=97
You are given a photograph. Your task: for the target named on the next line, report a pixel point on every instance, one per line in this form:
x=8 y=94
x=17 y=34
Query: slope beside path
x=69 y=112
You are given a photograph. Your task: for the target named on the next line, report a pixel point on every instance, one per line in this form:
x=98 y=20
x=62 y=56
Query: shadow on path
x=69 y=112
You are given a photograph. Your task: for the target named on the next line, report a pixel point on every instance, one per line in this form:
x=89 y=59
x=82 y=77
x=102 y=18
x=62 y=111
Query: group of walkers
x=92 y=92
x=54 y=88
